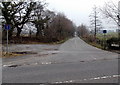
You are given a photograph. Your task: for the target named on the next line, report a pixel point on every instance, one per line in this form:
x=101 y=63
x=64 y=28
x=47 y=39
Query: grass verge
x=99 y=46
x=60 y=42
x=9 y=55
x=96 y=45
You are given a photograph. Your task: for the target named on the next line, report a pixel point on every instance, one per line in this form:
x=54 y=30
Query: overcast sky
x=76 y=10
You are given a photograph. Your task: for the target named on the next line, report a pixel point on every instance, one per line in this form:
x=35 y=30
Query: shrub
x=113 y=43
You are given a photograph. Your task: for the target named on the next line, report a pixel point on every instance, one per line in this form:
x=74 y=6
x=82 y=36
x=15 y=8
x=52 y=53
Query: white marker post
x=7 y=27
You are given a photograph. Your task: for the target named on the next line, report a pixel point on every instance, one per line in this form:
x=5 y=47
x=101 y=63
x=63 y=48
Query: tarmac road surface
x=73 y=62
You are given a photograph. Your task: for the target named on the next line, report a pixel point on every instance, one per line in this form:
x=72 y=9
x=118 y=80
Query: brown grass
x=9 y=55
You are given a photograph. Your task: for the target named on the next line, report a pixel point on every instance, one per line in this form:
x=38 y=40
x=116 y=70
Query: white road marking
x=43 y=63
x=104 y=77
x=96 y=78
x=71 y=81
x=46 y=63
x=116 y=75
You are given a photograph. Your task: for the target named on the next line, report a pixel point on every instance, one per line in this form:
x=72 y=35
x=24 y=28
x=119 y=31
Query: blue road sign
x=7 y=27
x=104 y=31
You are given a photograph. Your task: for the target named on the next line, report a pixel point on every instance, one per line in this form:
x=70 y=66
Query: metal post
x=7 y=42
x=104 y=42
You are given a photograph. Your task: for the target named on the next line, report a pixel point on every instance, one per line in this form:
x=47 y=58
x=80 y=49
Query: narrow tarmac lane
x=74 y=62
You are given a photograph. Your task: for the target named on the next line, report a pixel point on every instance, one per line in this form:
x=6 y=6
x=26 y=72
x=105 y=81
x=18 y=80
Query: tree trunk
x=39 y=31
x=18 y=32
x=11 y=33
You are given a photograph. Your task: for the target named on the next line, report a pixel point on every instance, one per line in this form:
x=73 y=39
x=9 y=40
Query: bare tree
x=16 y=14
x=82 y=31
x=40 y=18
x=61 y=27
x=110 y=11
x=95 y=21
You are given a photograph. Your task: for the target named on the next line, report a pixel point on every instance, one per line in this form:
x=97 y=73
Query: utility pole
x=95 y=23
x=119 y=21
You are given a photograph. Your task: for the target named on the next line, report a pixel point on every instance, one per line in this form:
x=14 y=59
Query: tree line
x=108 y=12
x=50 y=26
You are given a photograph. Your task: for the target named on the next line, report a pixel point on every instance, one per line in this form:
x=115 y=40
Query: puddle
x=54 y=53
x=82 y=61
x=48 y=49
x=13 y=66
x=25 y=52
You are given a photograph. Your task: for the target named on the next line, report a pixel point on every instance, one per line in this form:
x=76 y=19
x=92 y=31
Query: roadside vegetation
x=109 y=41
x=94 y=35
x=9 y=55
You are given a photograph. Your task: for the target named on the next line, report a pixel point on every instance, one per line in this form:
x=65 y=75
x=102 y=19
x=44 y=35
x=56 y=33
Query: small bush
x=113 y=41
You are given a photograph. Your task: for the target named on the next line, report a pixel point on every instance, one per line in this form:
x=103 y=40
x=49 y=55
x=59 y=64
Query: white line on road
x=36 y=63
x=96 y=78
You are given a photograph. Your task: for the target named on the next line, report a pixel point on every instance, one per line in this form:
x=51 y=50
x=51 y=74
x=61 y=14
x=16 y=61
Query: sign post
x=7 y=27
x=104 y=31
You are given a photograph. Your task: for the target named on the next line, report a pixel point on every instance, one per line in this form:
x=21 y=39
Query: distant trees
x=82 y=31
x=95 y=21
x=60 y=28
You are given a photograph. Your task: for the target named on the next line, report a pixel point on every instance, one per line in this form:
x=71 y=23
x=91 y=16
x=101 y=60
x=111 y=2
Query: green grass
x=107 y=36
x=100 y=37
